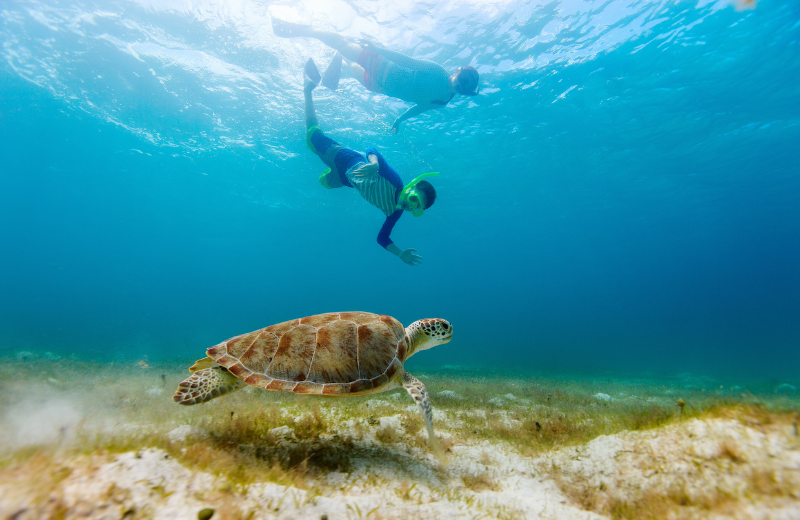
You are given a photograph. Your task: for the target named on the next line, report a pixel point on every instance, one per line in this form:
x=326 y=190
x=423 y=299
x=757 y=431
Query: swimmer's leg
x=288 y=29
x=310 y=75
x=348 y=49
x=308 y=89
x=358 y=72
x=348 y=69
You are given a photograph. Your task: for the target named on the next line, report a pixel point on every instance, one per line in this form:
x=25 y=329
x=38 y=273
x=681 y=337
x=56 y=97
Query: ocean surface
x=622 y=197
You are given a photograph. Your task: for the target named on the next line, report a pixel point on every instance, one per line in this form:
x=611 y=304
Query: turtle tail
x=205 y=385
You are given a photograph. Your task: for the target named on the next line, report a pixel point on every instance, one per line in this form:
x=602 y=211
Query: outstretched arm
x=408 y=256
x=411 y=112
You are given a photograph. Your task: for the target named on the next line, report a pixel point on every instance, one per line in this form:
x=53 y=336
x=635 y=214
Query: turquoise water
x=622 y=196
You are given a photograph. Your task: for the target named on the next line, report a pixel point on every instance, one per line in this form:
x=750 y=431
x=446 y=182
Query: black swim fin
x=311 y=72
x=332 y=74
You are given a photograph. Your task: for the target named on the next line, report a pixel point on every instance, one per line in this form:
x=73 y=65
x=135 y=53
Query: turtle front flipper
x=206 y=384
x=419 y=393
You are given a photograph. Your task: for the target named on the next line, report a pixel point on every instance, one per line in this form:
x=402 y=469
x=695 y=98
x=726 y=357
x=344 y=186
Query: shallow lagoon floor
x=103 y=440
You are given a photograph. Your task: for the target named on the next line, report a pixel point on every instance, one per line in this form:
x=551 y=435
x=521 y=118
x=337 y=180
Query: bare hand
x=411 y=257
x=395 y=127
x=366 y=170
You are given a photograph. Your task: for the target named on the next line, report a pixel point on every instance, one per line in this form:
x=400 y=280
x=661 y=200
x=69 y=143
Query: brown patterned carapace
x=338 y=353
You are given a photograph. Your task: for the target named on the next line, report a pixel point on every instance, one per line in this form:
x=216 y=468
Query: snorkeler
x=374 y=179
x=393 y=74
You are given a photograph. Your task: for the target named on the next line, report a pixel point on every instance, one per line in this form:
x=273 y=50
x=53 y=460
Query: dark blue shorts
x=334 y=156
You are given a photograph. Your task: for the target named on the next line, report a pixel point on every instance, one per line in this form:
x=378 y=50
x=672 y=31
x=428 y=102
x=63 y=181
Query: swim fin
x=311 y=72
x=332 y=74
x=287 y=29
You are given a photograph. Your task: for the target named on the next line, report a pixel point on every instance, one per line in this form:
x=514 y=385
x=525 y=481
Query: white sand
x=703 y=458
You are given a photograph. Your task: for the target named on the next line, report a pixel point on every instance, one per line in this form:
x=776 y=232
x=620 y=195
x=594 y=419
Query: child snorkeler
x=422 y=82
x=374 y=179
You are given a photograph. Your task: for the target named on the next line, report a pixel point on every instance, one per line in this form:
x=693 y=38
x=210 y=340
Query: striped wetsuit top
x=381 y=191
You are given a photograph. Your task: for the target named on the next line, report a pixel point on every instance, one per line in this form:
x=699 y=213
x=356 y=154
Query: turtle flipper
x=205 y=385
x=200 y=364
x=419 y=393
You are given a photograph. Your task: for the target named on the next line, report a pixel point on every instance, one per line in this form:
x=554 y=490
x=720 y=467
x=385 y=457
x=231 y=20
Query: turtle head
x=427 y=333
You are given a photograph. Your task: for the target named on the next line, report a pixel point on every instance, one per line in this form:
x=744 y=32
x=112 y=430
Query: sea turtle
x=338 y=354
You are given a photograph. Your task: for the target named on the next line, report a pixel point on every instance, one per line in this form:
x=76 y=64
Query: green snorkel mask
x=410 y=196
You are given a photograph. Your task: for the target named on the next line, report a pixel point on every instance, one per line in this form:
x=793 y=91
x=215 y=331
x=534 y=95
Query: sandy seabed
x=83 y=440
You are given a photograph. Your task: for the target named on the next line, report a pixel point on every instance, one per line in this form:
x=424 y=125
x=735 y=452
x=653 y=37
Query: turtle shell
x=335 y=354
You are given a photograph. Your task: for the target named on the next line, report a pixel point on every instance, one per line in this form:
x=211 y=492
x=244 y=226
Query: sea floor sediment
x=105 y=440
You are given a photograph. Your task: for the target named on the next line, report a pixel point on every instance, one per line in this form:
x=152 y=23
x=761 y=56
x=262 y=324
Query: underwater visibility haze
x=621 y=196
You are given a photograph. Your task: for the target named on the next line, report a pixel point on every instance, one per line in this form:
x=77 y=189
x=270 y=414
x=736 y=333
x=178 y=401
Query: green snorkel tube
x=410 y=190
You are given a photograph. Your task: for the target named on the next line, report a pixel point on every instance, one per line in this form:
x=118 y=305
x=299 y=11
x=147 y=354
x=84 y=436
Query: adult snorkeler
x=372 y=176
x=422 y=82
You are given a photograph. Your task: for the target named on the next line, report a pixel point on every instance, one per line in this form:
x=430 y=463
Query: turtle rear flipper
x=200 y=364
x=205 y=385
